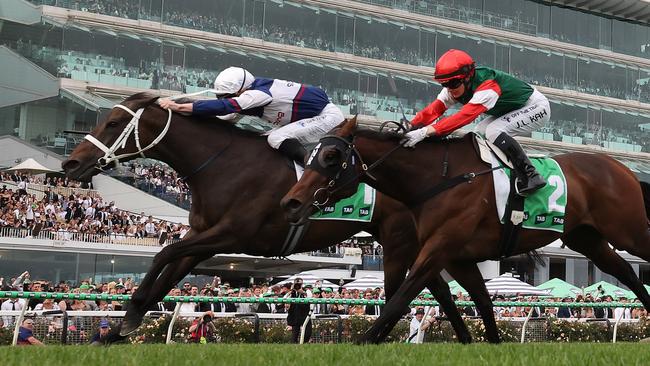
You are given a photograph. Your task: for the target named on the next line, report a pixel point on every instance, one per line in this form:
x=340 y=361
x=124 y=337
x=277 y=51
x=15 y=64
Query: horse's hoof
x=366 y=339
x=113 y=337
x=130 y=324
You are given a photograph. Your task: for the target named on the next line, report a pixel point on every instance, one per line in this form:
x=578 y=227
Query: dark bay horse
x=236 y=182
x=459 y=226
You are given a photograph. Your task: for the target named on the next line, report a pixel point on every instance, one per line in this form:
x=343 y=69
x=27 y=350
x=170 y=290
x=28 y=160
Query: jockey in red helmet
x=512 y=107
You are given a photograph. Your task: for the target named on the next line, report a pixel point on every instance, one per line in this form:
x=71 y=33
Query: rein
x=350 y=153
x=209 y=160
x=120 y=143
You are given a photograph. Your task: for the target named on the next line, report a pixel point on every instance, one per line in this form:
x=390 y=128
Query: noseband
x=120 y=143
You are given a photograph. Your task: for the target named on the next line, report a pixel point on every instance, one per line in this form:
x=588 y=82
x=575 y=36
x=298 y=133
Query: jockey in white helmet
x=300 y=113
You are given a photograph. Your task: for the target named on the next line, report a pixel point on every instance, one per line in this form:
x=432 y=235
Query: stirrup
x=529 y=191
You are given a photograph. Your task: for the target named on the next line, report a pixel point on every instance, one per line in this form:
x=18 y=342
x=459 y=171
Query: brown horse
x=236 y=182
x=459 y=226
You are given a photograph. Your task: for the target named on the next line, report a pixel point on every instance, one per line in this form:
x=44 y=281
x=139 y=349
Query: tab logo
x=540 y=219
x=364 y=211
x=558 y=220
x=347 y=210
x=328 y=209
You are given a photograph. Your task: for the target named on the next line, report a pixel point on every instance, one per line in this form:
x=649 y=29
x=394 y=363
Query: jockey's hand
x=413 y=137
x=168 y=104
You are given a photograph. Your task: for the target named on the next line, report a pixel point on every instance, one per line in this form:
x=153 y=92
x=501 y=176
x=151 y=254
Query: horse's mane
x=379 y=135
x=395 y=136
x=140 y=96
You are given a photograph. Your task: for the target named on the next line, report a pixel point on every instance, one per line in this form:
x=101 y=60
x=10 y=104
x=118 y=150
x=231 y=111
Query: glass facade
x=384 y=39
x=150 y=63
x=72 y=267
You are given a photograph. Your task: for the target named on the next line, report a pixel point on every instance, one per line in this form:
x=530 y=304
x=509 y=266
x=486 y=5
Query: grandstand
x=66 y=62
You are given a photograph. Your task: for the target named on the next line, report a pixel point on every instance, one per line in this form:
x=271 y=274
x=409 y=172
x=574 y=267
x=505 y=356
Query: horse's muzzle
x=294 y=211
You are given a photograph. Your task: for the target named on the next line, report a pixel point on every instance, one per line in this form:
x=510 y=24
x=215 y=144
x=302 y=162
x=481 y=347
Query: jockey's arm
x=485 y=97
x=218 y=107
x=443 y=101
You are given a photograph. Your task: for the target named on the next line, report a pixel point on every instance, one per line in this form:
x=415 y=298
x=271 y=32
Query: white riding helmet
x=233 y=80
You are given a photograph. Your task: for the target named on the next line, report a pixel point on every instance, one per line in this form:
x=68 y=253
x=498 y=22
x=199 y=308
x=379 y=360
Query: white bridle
x=120 y=143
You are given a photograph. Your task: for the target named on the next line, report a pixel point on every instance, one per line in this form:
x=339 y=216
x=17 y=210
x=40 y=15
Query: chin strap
x=120 y=143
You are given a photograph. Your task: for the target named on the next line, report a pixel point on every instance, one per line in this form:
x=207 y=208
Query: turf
x=311 y=355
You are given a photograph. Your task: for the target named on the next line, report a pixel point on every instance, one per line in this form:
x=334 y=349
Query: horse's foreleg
x=440 y=290
x=427 y=265
x=470 y=277
x=170 y=276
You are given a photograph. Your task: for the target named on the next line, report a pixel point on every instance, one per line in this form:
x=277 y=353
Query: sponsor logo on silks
x=348 y=210
x=313 y=154
x=364 y=211
x=539 y=219
x=526 y=216
x=558 y=220
x=329 y=209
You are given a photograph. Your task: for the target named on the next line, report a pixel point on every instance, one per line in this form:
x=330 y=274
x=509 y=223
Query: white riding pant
x=522 y=121
x=308 y=130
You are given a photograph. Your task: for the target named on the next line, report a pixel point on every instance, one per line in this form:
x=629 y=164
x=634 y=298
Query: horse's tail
x=645 y=188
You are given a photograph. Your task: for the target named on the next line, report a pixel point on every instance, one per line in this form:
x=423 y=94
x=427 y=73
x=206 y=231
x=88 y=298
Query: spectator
x=26 y=336
x=417 y=327
x=100 y=336
x=202 y=328
x=298 y=313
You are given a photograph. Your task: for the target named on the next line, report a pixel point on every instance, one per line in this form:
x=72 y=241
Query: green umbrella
x=560 y=288
x=631 y=295
x=607 y=288
x=454 y=288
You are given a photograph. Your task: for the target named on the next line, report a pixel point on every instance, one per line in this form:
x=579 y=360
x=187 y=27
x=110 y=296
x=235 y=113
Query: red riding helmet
x=454 y=64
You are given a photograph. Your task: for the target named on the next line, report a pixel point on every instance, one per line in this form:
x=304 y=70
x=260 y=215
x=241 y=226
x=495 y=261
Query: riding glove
x=415 y=136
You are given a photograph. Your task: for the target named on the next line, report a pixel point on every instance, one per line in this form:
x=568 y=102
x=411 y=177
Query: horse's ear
x=349 y=125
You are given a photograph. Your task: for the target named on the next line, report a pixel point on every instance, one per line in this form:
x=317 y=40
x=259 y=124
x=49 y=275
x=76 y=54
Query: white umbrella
x=32 y=166
x=364 y=283
x=308 y=279
x=508 y=285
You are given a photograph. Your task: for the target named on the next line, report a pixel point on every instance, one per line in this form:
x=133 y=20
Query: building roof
x=638 y=10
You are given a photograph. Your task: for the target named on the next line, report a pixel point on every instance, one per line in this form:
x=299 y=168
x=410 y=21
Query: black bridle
x=349 y=169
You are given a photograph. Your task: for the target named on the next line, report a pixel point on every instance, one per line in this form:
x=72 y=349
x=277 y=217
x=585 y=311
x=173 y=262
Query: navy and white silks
x=296 y=110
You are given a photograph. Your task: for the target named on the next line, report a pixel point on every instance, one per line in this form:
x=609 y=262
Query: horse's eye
x=112 y=124
x=331 y=157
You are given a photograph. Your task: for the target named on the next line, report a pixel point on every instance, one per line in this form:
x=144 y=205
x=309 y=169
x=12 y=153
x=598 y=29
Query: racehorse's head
x=111 y=140
x=332 y=172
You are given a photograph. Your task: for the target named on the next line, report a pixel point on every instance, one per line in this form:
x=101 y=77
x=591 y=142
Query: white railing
x=122 y=239
x=39 y=190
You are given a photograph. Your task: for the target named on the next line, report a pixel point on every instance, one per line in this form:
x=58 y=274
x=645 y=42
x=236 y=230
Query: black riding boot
x=294 y=150
x=529 y=179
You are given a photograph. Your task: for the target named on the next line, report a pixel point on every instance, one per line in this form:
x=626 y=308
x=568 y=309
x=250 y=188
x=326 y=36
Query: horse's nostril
x=70 y=165
x=293 y=205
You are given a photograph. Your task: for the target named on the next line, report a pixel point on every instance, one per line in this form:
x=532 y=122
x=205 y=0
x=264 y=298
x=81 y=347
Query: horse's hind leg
x=470 y=277
x=591 y=244
x=440 y=290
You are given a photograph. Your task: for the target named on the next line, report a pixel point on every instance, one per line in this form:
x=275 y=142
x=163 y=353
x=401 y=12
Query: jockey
x=513 y=107
x=301 y=113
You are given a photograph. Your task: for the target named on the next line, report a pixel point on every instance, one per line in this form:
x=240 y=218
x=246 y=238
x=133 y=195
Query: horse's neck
x=407 y=173
x=190 y=143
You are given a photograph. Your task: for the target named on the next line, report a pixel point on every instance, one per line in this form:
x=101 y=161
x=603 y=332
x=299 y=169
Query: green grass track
x=575 y=354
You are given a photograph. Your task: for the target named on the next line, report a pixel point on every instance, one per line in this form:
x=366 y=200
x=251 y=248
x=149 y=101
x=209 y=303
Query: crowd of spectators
x=158 y=179
x=76 y=213
x=266 y=290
